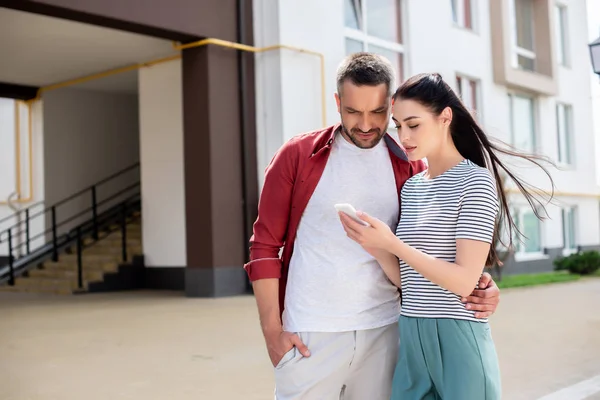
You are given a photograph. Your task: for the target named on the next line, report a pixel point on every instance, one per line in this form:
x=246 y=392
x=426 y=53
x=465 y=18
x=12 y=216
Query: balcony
x=522 y=45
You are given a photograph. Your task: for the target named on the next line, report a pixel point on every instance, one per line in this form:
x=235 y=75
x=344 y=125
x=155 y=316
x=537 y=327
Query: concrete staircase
x=98 y=258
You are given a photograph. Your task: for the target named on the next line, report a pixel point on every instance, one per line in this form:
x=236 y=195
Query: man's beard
x=354 y=132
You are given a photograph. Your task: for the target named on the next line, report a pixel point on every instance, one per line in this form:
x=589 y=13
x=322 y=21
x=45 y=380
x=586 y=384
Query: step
x=88 y=275
x=130 y=226
x=107 y=248
x=90 y=258
x=131 y=251
x=111 y=241
x=49 y=283
x=24 y=289
x=66 y=266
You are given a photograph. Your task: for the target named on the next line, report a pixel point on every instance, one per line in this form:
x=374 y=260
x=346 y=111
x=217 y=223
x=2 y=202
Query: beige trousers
x=356 y=365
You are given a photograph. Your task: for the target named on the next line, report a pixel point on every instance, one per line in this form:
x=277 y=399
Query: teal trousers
x=446 y=359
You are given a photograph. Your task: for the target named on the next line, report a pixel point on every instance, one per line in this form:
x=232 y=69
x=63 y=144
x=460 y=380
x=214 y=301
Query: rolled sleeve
x=270 y=228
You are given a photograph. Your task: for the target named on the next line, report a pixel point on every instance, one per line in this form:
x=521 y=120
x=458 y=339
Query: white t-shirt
x=334 y=285
x=461 y=203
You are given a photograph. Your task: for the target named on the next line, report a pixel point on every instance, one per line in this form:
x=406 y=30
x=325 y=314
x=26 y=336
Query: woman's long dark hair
x=431 y=91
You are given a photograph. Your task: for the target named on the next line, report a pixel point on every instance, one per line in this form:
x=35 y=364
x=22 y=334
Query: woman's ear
x=446 y=116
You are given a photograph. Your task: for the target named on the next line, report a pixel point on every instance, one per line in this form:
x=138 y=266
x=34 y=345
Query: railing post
x=27 y=233
x=124 y=232
x=54 y=238
x=79 y=259
x=11 y=271
x=95 y=212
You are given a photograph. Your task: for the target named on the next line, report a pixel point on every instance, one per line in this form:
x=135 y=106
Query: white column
x=162 y=169
x=288 y=83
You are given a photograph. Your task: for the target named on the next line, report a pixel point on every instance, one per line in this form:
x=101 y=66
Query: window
x=561 y=28
x=375 y=26
x=468 y=90
x=564 y=124
x=530 y=242
x=522 y=121
x=462 y=13
x=569 y=235
x=523 y=55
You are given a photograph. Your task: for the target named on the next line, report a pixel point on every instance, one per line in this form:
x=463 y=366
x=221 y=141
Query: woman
x=442 y=243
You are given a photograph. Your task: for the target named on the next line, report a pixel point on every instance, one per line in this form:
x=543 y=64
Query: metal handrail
x=118 y=213
x=90 y=226
x=74 y=196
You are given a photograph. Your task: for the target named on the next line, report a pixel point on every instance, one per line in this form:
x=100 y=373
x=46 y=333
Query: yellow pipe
x=17 y=154
x=18 y=148
x=252 y=49
x=204 y=42
x=556 y=194
x=103 y=75
x=30 y=150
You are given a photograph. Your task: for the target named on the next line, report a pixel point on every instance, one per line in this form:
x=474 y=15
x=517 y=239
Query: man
x=328 y=313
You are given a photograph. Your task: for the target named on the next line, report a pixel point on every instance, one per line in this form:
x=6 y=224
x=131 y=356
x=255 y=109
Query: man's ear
x=338 y=102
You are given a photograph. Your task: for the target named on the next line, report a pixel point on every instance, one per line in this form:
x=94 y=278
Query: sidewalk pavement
x=161 y=345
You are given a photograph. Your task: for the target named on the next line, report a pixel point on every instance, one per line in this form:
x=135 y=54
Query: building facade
x=207 y=91
x=184 y=113
x=522 y=66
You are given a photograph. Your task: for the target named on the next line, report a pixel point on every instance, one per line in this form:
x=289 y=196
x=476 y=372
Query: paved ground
x=157 y=346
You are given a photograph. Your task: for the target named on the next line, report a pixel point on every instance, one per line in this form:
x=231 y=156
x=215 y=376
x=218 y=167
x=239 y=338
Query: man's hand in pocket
x=281 y=342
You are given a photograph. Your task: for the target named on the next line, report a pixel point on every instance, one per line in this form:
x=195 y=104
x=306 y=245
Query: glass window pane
x=522 y=121
x=524 y=20
x=568 y=133
x=473 y=91
x=454 y=10
x=563 y=121
x=394 y=57
x=353 y=46
x=559 y=21
x=351 y=14
x=468 y=14
x=516 y=238
x=526 y=63
x=571 y=229
x=383 y=19
x=531 y=230
x=560 y=125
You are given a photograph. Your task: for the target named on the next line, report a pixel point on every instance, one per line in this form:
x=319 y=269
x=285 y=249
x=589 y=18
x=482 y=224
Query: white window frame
x=466 y=81
x=516 y=50
x=572 y=212
x=565 y=139
x=458 y=19
x=520 y=254
x=561 y=19
x=362 y=36
x=534 y=118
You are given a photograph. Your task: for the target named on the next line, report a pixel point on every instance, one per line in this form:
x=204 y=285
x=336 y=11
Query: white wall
x=7 y=147
x=593 y=14
x=288 y=87
x=88 y=136
x=32 y=196
x=288 y=84
x=161 y=155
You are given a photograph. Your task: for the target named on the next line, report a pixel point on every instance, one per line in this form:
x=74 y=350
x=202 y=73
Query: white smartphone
x=350 y=211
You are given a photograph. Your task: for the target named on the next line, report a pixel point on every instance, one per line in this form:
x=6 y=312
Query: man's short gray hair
x=366 y=69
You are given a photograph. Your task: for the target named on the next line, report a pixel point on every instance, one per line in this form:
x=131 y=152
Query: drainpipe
x=242 y=79
x=18 y=233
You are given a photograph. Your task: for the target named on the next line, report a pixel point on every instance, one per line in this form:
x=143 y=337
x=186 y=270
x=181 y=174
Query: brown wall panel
x=174 y=19
x=215 y=229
